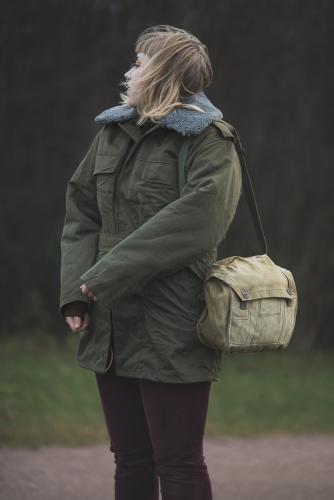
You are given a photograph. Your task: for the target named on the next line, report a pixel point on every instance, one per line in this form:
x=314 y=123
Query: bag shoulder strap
x=249 y=191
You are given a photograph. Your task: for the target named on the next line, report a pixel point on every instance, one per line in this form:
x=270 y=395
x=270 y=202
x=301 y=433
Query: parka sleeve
x=179 y=233
x=79 y=239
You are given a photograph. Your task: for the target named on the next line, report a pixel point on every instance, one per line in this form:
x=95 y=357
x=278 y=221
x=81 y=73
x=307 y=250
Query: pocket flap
x=105 y=164
x=254 y=277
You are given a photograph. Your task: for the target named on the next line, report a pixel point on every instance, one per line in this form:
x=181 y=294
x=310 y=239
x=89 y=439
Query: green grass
x=275 y=392
x=46 y=399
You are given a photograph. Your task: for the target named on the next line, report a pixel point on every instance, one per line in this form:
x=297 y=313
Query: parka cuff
x=77 y=308
x=102 y=291
x=77 y=297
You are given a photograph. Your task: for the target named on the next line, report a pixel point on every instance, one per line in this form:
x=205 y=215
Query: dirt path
x=266 y=468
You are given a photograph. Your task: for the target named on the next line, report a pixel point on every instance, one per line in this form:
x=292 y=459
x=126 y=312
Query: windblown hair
x=179 y=67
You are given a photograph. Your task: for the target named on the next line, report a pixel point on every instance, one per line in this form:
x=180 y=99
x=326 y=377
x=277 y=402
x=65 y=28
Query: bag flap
x=254 y=277
x=105 y=164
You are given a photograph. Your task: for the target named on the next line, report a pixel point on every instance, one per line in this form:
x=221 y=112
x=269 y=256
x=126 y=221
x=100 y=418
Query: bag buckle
x=244 y=303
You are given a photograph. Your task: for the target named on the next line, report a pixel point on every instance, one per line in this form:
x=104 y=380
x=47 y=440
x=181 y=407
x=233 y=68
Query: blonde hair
x=179 y=67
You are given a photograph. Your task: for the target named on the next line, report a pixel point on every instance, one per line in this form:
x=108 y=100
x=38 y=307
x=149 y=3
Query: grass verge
x=46 y=399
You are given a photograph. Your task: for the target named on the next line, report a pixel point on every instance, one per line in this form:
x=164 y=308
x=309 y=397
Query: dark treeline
x=273 y=79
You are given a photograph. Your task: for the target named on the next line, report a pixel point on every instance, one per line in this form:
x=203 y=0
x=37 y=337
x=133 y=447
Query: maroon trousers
x=156 y=432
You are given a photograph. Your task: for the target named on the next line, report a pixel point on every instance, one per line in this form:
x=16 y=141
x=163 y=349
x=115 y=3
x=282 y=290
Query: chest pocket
x=104 y=170
x=160 y=172
x=105 y=175
x=156 y=187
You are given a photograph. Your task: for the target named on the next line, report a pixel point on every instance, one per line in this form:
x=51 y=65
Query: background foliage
x=273 y=80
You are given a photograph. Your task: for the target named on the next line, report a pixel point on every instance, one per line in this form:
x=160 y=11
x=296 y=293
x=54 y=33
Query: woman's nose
x=127 y=74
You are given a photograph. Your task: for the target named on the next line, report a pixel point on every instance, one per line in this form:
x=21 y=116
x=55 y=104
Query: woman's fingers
x=86 y=321
x=84 y=288
x=74 y=322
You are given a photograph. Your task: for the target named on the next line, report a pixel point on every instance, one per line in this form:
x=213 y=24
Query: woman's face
x=132 y=76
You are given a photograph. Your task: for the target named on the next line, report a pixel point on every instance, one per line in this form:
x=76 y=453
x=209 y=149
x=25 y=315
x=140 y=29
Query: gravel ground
x=268 y=468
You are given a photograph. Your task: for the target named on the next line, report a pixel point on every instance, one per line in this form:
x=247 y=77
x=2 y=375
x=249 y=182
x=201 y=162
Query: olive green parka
x=143 y=247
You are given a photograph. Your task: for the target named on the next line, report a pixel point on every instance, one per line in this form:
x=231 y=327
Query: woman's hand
x=85 y=290
x=76 y=324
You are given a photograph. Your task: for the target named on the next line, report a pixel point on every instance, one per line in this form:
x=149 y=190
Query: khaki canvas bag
x=250 y=302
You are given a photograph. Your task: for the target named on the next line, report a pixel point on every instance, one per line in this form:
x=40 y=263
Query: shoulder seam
x=224 y=128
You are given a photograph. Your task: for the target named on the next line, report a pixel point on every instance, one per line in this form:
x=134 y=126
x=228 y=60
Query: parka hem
x=141 y=375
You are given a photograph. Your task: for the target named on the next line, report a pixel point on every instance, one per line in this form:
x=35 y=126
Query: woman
x=135 y=252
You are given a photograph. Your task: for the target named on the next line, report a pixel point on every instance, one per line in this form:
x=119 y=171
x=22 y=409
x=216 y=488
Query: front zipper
x=118 y=168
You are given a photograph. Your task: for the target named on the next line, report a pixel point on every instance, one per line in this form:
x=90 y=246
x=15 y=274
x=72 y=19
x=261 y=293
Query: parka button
x=245 y=294
x=289 y=291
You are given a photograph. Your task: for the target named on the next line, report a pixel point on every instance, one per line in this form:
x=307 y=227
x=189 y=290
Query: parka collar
x=183 y=120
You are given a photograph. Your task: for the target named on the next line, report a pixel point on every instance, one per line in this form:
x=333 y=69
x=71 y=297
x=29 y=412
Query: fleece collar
x=183 y=120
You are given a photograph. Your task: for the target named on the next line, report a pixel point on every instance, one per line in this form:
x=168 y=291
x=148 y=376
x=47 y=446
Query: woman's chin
x=132 y=101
